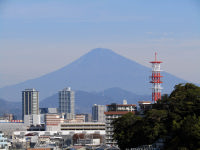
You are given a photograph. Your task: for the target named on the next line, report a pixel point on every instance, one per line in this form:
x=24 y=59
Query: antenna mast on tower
x=156 y=79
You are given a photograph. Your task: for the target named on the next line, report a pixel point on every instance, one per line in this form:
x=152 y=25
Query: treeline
x=175 y=120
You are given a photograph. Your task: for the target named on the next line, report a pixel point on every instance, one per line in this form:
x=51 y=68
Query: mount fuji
x=97 y=70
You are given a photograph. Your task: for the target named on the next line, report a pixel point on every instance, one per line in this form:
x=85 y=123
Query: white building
x=91 y=127
x=32 y=120
x=9 y=128
x=66 y=103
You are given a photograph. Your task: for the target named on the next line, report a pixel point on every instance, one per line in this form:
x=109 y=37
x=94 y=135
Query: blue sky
x=38 y=37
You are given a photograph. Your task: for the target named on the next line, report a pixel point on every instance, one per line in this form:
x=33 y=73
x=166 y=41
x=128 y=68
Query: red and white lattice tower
x=156 y=79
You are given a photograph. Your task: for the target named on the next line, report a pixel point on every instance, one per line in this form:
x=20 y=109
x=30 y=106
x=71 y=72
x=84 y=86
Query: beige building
x=53 y=122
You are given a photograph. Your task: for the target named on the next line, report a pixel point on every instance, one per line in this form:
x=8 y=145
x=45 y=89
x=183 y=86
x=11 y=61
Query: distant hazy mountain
x=10 y=107
x=85 y=100
x=95 y=71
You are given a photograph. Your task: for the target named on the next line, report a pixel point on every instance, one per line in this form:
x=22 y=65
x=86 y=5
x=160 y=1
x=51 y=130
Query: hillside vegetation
x=175 y=119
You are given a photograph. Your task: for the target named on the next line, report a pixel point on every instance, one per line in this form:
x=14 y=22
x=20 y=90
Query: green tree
x=126 y=128
x=184 y=111
x=175 y=118
x=154 y=125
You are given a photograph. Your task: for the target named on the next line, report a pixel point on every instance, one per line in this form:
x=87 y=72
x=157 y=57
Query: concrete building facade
x=84 y=126
x=30 y=102
x=66 y=102
x=32 y=120
x=53 y=122
x=44 y=111
x=98 y=113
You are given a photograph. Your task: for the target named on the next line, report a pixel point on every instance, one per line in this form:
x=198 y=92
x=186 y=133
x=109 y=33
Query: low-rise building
x=33 y=119
x=84 y=126
x=3 y=142
x=80 y=117
x=84 y=139
x=144 y=106
x=44 y=111
x=9 y=117
x=53 y=122
x=8 y=128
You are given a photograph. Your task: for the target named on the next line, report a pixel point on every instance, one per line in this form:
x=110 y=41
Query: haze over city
x=38 y=37
x=99 y=75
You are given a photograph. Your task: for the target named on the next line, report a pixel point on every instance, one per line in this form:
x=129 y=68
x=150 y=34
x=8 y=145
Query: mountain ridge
x=85 y=100
x=10 y=107
x=97 y=70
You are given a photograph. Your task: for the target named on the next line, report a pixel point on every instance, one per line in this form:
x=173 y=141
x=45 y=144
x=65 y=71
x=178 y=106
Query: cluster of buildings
x=60 y=127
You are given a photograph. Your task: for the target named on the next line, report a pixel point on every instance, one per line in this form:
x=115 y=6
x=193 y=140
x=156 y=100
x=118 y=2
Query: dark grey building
x=66 y=103
x=98 y=113
x=30 y=102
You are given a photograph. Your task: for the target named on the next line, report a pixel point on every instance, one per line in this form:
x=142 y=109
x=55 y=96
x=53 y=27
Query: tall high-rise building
x=98 y=113
x=66 y=103
x=30 y=102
